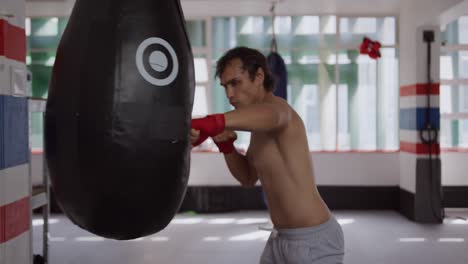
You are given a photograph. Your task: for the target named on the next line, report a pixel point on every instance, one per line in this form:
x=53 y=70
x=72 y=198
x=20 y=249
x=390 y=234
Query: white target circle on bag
x=158 y=61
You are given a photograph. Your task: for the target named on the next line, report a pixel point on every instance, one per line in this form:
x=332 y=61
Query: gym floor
x=371 y=237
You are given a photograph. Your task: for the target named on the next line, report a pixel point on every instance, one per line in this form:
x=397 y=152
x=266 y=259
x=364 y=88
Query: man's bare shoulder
x=280 y=103
x=276 y=100
x=296 y=124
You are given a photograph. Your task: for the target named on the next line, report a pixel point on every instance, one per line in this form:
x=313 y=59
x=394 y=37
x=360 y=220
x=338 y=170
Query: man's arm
x=237 y=163
x=241 y=170
x=260 y=117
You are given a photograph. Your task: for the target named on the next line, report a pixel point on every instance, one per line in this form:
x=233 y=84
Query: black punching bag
x=118 y=116
x=278 y=69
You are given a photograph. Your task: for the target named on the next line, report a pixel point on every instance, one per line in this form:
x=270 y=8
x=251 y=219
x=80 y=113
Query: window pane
x=201 y=69
x=36 y=131
x=456 y=32
x=454 y=133
x=44 y=33
x=41 y=69
x=307 y=104
x=46 y=58
x=454 y=65
x=387 y=100
x=446 y=98
x=306 y=25
x=224 y=35
x=343 y=118
x=463 y=99
x=368 y=101
x=463 y=133
x=40 y=80
x=62 y=23
x=313 y=96
x=251 y=32
x=313 y=32
x=446 y=133
x=282 y=25
x=454 y=99
x=200 y=102
x=45 y=27
x=27 y=26
x=447 y=66
x=196 y=30
x=354 y=29
x=359 y=77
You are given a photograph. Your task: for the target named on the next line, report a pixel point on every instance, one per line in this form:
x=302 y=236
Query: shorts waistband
x=306 y=232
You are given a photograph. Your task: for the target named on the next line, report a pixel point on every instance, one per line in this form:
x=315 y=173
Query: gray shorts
x=322 y=244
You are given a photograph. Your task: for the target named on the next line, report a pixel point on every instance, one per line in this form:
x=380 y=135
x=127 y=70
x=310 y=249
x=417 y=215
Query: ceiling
x=201 y=8
x=242 y=7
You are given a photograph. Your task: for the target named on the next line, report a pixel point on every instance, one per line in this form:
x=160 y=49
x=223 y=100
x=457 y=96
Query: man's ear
x=259 y=76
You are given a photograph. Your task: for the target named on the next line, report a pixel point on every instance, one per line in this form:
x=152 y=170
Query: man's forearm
x=239 y=168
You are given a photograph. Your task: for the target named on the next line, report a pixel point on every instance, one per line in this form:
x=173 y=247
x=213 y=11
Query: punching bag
x=118 y=116
x=278 y=69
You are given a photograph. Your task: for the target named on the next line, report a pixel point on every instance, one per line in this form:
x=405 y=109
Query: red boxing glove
x=374 y=54
x=226 y=147
x=364 y=48
x=210 y=125
x=371 y=48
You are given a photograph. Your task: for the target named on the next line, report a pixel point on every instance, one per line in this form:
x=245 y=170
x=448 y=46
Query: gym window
x=454 y=86
x=348 y=102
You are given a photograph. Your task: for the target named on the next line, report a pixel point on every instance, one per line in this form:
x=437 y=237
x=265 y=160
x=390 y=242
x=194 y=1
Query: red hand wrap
x=226 y=147
x=210 y=125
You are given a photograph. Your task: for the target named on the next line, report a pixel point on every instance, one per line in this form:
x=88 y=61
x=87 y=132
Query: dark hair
x=252 y=60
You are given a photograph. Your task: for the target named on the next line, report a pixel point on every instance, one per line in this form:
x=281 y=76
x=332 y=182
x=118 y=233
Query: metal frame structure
x=40 y=198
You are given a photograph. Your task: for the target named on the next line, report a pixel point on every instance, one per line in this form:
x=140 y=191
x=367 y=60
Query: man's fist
x=225 y=141
x=210 y=125
x=197 y=137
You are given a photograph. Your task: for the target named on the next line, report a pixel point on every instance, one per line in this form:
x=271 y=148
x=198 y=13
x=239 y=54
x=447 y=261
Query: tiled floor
x=371 y=237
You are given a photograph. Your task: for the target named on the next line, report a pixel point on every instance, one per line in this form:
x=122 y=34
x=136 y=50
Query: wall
x=15 y=221
x=330 y=169
x=454 y=169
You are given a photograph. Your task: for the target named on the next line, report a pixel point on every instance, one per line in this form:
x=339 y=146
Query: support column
x=420 y=173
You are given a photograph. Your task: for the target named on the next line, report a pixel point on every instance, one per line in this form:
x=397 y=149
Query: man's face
x=240 y=90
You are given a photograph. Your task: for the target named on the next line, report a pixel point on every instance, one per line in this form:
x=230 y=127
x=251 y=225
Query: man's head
x=245 y=75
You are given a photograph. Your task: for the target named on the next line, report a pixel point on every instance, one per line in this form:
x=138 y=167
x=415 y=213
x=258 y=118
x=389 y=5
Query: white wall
x=452 y=13
x=454 y=169
x=14 y=8
x=336 y=169
x=413 y=15
x=347 y=169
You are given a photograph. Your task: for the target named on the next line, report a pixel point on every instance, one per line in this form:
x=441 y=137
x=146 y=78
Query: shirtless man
x=278 y=156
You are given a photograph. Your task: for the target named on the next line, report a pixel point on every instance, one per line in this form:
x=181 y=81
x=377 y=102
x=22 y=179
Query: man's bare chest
x=262 y=151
